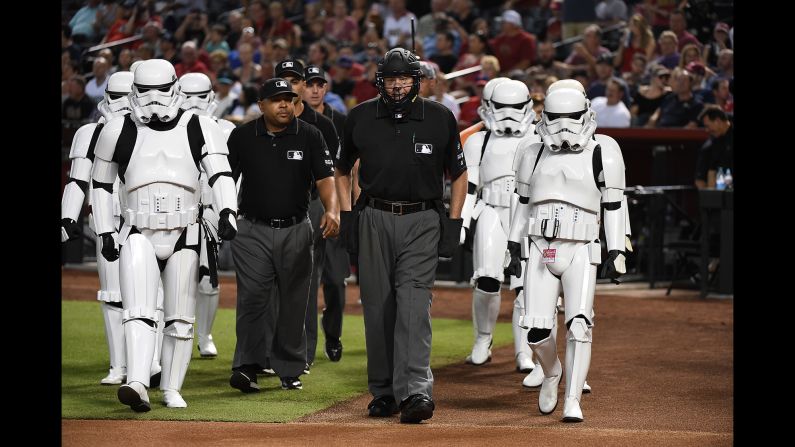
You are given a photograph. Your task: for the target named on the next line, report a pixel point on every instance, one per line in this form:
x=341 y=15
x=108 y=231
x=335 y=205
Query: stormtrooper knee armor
x=157 y=151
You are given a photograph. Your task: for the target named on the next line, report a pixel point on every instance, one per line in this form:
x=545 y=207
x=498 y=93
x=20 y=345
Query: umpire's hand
x=330 y=224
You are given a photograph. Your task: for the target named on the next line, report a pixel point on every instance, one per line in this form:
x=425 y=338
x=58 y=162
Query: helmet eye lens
x=114 y=96
x=554 y=116
x=143 y=89
x=519 y=106
x=164 y=89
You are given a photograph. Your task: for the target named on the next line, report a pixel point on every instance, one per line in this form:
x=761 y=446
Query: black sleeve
x=329 y=135
x=234 y=152
x=322 y=164
x=454 y=161
x=348 y=153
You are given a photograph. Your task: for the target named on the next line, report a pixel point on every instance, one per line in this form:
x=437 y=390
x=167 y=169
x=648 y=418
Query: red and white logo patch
x=549 y=256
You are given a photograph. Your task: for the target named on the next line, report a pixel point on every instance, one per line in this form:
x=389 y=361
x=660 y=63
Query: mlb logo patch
x=281 y=84
x=287 y=64
x=423 y=148
x=295 y=155
x=314 y=70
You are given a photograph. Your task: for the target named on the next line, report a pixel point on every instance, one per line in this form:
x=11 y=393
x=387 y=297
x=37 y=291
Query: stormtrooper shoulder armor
x=524 y=168
x=106 y=144
x=226 y=127
x=214 y=139
x=473 y=148
x=612 y=162
x=82 y=140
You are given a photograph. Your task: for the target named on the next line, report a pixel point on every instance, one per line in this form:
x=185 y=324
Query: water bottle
x=720 y=180
x=727 y=179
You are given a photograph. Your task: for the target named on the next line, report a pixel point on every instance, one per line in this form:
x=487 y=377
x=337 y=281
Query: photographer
x=132 y=18
x=194 y=27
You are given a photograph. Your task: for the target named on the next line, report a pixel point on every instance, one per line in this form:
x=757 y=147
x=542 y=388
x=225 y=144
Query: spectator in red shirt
x=678 y=25
x=584 y=54
x=364 y=88
x=190 y=61
x=514 y=47
x=280 y=26
x=129 y=19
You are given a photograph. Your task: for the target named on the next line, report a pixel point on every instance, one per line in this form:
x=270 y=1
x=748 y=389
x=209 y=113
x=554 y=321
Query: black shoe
x=416 y=408
x=306 y=368
x=292 y=383
x=383 y=407
x=245 y=382
x=334 y=350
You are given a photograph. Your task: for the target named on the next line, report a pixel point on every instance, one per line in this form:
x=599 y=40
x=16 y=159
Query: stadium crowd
x=644 y=63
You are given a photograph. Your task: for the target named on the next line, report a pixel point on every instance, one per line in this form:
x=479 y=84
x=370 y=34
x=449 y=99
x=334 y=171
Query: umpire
x=293 y=71
x=334 y=265
x=405 y=144
x=279 y=156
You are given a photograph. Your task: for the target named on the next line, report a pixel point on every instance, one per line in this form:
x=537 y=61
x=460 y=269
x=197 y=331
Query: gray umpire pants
x=397 y=264
x=273 y=268
x=331 y=266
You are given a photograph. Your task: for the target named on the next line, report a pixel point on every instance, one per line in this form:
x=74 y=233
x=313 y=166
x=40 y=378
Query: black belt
x=400 y=208
x=276 y=223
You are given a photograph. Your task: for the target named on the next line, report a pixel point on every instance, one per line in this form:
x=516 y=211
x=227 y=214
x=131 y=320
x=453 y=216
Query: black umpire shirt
x=405 y=159
x=324 y=125
x=336 y=117
x=278 y=169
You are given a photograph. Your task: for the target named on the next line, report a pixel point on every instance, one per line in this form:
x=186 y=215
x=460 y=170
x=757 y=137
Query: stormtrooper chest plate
x=498 y=158
x=162 y=157
x=566 y=177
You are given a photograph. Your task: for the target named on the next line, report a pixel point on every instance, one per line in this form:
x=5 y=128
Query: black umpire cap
x=291 y=66
x=314 y=72
x=273 y=87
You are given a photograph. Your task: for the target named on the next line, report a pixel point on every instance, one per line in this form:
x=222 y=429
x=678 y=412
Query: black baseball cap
x=314 y=72
x=273 y=87
x=291 y=66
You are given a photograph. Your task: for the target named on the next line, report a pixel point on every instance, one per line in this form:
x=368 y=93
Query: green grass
x=207 y=391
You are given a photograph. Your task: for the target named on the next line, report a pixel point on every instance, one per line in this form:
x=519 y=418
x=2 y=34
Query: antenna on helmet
x=413 y=51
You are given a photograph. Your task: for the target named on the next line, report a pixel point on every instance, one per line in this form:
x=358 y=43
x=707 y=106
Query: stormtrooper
x=507 y=112
x=536 y=377
x=156 y=151
x=200 y=99
x=115 y=103
x=563 y=183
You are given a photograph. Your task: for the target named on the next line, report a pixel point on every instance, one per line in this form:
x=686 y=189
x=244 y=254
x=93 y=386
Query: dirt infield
x=661 y=374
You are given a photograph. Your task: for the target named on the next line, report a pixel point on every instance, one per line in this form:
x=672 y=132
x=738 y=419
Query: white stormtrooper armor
x=556 y=228
x=485 y=101
x=115 y=103
x=510 y=111
x=200 y=99
x=490 y=158
x=156 y=152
